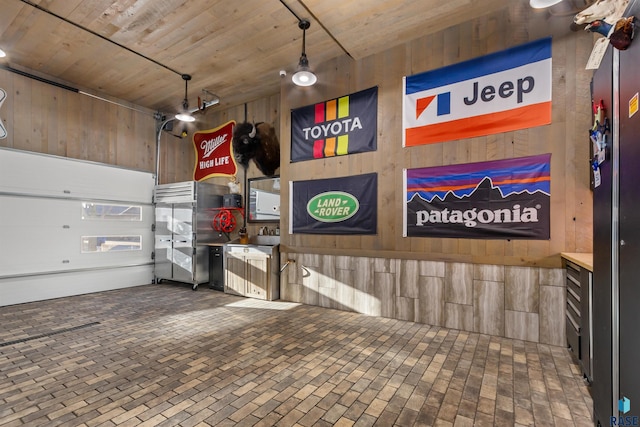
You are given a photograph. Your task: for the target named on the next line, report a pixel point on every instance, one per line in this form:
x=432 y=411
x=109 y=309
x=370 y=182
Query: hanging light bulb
x=303 y=75
x=185 y=116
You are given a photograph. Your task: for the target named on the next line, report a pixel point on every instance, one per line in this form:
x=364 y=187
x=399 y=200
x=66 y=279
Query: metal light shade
x=303 y=75
x=185 y=117
x=541 y=4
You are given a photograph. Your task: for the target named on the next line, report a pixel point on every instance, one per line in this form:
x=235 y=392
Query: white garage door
x=69 y=227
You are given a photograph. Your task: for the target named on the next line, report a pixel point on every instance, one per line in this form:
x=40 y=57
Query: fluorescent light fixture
x=541 y=4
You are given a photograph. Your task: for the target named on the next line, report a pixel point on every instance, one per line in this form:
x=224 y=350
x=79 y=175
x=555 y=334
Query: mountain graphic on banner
x=485 y=190
x=484 y=213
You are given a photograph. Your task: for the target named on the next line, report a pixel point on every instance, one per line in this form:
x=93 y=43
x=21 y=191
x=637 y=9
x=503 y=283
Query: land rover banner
x=503 y=199
x=337 y=127
x=345 y=205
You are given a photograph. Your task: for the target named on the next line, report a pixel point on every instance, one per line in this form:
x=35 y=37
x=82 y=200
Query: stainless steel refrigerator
x=184 y=213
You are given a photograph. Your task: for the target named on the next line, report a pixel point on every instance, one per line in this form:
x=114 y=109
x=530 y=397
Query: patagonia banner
x=337 y=127
x=503 y=199
x=214 y=155
x=500 y=92
x=347 y=205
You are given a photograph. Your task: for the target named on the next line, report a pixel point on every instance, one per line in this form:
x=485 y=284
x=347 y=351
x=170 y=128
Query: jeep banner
x=503 y=199
x=500 y=92
x=347 y=205
x=337 y=127
x=214 y=154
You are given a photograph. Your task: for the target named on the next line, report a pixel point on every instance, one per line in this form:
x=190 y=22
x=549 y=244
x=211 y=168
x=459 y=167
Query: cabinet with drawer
x=252 y=271
x=578 y=313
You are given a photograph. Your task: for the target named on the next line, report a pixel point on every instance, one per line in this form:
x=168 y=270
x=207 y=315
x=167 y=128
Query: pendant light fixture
x=541 y=4
x=303 y=75
x=185 y=115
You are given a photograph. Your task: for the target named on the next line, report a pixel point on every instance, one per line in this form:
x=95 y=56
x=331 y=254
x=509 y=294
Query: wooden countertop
x=584 y=260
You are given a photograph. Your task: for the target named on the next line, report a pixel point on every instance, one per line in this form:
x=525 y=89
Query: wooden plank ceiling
x=136 y=50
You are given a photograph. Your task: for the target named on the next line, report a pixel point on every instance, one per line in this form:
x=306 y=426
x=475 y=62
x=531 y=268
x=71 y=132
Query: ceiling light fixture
x=541 y=4
x=2 y=54
x=303 y=75
x=185 y=116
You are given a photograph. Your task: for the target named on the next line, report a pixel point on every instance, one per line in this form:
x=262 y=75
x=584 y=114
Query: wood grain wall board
x=522 y=289
x=431 y=301
x=384 y=291
x=459 y=283
x=458 y=316
x=522 y=326
x=552 y=314
x=488 y=307
x=408 y=279
x=519 y=303
x=48 y=119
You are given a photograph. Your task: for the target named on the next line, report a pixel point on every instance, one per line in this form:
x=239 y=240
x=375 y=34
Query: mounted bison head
x=258 y=142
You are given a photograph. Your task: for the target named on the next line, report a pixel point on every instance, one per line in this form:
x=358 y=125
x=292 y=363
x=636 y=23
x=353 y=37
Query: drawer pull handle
x=573 y=294
x=574 y=280
x=574 y=308
x=573 y=322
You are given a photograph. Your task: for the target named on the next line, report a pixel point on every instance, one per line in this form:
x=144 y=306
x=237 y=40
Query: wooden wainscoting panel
x=458 y=316
x=459 y=283
x=493 y=273
x=488 y=307
x=345 y=291
x=521 y=325
x=552 y=315
x=522 y=291
x=385 y=292
x=431 y=300
x=408 y=278
x=432 y=268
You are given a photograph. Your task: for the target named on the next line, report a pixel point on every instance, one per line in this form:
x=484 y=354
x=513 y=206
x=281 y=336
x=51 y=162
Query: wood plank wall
x=47 y=119
x=44 y=118
x=565 y=138
x=178 y=155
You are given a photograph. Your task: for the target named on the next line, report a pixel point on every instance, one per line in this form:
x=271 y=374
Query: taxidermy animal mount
x=605 y=17
x=620 y=34
x=258 y=142
x=607 y=10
